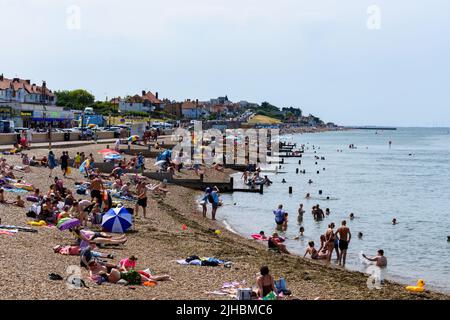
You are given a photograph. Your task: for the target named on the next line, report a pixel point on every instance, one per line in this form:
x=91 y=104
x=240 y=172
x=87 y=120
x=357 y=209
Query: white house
x=147 y=102
x=29 y=105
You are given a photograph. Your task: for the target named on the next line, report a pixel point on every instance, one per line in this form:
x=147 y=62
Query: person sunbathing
x=87 y=237
x=275 y=242
x=99 y=273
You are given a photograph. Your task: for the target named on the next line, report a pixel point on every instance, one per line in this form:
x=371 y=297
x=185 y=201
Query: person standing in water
x=279 y=217
x=300 y=213
x=344 y=235
x=380 y=259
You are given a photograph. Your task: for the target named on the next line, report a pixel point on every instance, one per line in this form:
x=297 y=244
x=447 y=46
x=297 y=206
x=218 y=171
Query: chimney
x=16 y=80
x=44 y=84
x=143 y=92
x=156 y=94
x=1 y=77
x=28 y=81
x=196 y=101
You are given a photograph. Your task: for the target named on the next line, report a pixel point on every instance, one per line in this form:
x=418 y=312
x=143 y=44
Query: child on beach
x=127 y=264
x=302 y=230
x=311 y=251
x=19 y=202
x=285 y=222
x=77 y=160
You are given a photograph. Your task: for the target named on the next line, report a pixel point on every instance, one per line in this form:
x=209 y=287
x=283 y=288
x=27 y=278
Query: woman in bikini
x=265 y=283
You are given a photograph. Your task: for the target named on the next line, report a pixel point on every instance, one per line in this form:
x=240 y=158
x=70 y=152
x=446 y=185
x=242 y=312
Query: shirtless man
x=96 y=188
x=380 y=259
x=141 y=191
x=344 y=236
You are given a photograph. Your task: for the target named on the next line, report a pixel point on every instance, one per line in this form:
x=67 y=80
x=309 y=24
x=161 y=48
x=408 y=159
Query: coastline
x=158 y=241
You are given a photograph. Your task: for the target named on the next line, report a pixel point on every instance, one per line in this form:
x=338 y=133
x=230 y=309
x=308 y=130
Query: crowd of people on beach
x=101 y=191
x=52 y=206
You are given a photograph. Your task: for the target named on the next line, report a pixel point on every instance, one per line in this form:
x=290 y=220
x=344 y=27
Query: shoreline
x=390 y=278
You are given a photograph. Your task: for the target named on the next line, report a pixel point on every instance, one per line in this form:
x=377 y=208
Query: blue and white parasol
x=117 y=220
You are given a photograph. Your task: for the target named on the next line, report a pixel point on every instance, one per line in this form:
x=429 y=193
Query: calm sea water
x=376 y=184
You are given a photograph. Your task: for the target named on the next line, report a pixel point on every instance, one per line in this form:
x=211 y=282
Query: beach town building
x=146 y=102
x=174 y=109
x=194 y=109
x=29 y=105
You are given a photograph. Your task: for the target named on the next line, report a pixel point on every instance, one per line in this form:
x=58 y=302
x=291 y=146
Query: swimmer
x=394 y=222
x=352 y=216
x=283 y=181
x=310 y=181
x=302 y=230
x=327 y=211
x=360 y=235
x=308 y=196
x=263 y=235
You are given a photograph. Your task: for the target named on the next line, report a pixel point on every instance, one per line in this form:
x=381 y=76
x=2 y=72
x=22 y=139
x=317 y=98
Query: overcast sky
x=318 y=55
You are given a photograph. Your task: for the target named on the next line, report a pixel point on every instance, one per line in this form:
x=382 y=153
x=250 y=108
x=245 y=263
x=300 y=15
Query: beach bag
x=98 y=218
x=81 y=191
x=281 y=286
x=244 y=294
x=31 y=214
x=32 y=199
x=270 y=296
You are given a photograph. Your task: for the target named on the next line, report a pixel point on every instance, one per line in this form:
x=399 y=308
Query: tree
x=105 y=108
x=75 y=99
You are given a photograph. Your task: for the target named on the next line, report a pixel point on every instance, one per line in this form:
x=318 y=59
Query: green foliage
x=212 y=116
x=75 y=99
x=136 y=114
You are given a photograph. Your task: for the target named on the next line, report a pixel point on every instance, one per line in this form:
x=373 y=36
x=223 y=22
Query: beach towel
x=15 y=190
x=6 y=233
x=125 y=198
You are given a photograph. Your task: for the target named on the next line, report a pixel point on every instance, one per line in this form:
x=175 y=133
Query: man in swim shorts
x=344 y=236
x=141 y=191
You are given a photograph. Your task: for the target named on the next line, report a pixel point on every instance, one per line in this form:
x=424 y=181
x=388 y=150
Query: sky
x=352 y=62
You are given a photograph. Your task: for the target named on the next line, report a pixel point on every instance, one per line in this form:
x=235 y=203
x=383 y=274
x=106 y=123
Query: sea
x=409 y=181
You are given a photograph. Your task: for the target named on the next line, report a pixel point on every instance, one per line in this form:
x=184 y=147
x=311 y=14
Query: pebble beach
x=27 y=258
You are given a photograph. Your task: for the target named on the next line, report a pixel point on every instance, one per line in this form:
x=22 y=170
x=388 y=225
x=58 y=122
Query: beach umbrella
x=117 y=220
x=113 y=156
x=67 y=223
x=107 y=151
x=85 y=165
x=133 y=138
